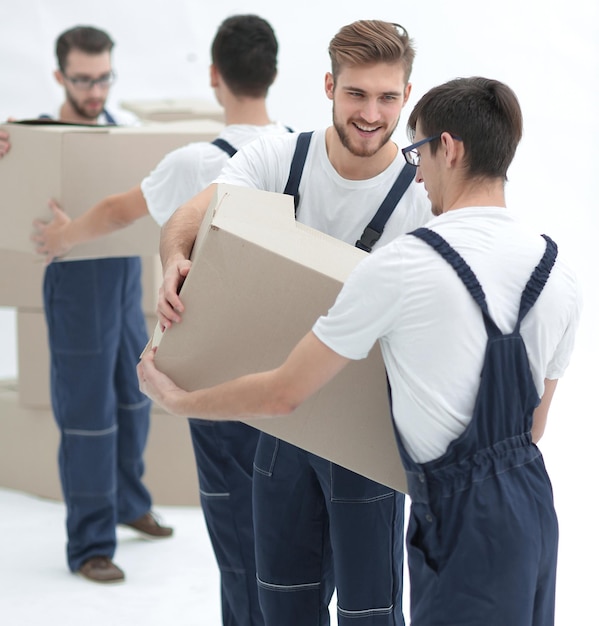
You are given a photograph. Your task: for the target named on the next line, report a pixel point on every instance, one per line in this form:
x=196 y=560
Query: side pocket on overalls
x=422 y=540
x=266 y=454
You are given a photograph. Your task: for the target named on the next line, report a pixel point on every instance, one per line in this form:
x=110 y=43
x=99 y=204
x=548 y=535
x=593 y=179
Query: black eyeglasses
x=412 y=156
x=85 y=83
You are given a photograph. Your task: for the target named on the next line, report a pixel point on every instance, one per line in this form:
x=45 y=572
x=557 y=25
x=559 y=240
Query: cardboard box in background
x=33 y=360
x=258 y=283
x=21 y=279
x=172 y=109
x=78 y=166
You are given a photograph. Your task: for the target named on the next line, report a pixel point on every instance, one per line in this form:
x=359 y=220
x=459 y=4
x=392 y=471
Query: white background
x=547 y=52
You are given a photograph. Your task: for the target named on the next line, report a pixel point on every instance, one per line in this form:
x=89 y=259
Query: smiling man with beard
x=319 y=526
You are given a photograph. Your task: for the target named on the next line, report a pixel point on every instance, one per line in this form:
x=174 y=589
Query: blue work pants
x=96 y=332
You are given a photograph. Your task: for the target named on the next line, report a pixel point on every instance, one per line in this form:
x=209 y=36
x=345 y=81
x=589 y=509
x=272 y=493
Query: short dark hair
x=85 y=38
x=244 y=51
x=371 y=41
x=484 y=113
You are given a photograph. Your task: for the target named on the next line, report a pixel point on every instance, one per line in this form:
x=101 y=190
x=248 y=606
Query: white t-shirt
x=430 y=329
x=120 y=117
x=334 y=205
x=185 y=172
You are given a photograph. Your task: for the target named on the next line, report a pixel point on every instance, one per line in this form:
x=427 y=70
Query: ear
x=59 y=77
x=214 y=76
x=406 y=93
x=453 y=149
x=329 y=85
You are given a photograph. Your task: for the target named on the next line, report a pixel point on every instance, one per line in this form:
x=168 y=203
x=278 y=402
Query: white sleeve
x=365 y=309
x=176 y=179
x=561 y=357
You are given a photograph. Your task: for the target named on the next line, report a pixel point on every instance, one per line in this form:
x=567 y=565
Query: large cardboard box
x=172 y=109
x=258 y=282
x=78 y=166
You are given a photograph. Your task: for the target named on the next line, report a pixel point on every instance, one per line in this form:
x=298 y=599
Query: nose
x=96 y=89
x=418 y=177
x=370 y=110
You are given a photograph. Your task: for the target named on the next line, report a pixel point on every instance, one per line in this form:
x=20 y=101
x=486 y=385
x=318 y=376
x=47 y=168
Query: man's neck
x=250 y=111
x=352 y=167
x=476 y=193
x=68 y=114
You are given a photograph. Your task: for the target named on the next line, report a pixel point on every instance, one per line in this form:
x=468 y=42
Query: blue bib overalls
x=320 y=526
x=482 y=538
x=96 y=332
x=224 y=455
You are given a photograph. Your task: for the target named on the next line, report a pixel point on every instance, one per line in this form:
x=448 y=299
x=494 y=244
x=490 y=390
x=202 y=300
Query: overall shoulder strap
x=297 y=166
x=538 y=279
x=225 y=146
x=372 y=233
x=109 y=119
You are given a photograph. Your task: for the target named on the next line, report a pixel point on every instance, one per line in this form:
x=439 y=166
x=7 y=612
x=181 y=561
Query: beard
x=80 y=108
x=357 y=148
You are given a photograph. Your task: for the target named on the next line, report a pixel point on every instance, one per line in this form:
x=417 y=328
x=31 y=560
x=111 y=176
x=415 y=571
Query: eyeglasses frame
x=409 y=149
x=87 y=84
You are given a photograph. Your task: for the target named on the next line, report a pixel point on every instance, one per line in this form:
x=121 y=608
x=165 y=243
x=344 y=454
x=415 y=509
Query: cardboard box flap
x=257 y=284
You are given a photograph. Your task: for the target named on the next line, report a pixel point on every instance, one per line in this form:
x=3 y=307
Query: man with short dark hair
x=476 y=318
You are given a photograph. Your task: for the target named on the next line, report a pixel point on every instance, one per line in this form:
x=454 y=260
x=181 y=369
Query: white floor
x=168 y=582
x=173 y=581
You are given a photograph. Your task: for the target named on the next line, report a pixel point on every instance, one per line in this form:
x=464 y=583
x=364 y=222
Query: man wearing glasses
x=476 y=317
x=85 y=72
x=338 y=530
x=96 y=330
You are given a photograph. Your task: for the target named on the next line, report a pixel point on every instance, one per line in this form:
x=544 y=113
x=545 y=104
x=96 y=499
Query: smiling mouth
x=366 y=129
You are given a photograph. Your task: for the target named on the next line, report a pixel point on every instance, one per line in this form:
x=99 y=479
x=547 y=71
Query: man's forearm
x=540 y=415
x=309 y=367
x=109 y=215
x=179 y=233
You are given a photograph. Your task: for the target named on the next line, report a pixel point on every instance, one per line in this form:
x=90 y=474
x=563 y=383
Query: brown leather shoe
x=149 y=526
x=100 y=569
